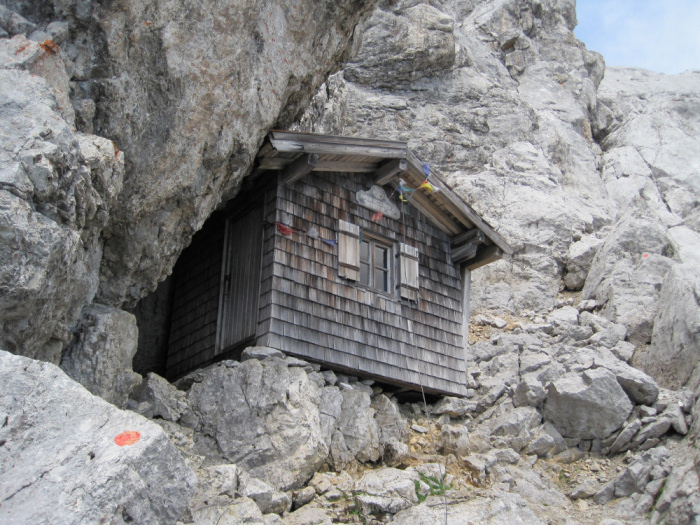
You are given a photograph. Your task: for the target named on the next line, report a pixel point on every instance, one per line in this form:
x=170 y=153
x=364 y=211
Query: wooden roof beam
x=484 y=255
x=474 y=236
x=462 y=211
x=389 y=170
x=298 y=168
x=435 y=214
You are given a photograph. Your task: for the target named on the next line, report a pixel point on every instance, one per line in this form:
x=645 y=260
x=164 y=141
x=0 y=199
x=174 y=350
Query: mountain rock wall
x=185 y=92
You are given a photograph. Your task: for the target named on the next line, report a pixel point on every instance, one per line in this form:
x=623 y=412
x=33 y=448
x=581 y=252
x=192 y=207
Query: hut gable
x=345 y=273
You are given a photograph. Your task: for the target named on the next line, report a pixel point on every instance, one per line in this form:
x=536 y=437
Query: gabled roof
x=474 y=242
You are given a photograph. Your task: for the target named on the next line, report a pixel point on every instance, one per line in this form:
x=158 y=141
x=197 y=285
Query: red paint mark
x=22 y=48
x=50 y=47
x=127 y=438
x=645 y=255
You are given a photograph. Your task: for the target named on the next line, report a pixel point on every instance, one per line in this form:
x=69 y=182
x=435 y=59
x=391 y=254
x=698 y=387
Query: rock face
x=100 y=358
x=263 y=417
x=500 y=96
x=589 y=406
x=186 y=92
x=58 y=189
x=60 y=460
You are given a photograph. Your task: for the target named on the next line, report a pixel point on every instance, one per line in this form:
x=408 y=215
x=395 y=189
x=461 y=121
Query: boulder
x=529 y=393
x=241 y=510
x=100 y=357
x=308 y=516
x=676 y=335
x=454 y=406
x=263 y=416
x=357 y=425
x=70 y=457
x=156 y=397
x=504 y=508
x=268 y=500
x=386 y=490
x=590 y=405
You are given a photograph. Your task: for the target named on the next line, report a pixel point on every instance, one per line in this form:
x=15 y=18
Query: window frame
x=374 y=242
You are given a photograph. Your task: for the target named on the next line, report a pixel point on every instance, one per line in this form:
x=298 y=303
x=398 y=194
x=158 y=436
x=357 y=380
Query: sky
x=659 y=35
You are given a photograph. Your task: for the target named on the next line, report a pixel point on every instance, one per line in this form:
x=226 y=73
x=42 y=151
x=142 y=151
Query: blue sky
x=660 y=35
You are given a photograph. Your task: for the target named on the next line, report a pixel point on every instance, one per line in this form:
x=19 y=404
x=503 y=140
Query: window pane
x=381 y=257
x=381 y=280
x=364 y=273
x=364 y=251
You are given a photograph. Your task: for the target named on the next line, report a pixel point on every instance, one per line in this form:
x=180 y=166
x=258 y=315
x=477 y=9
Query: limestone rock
x=268 y=500
x=60 y=461
x=100 y=357
x=454 y=406
x=156 y=397
x=58 y=191
x=308 y=516
x=403 y=44
x=529 y=393
x=590 y=405
x=241 y=510
x=505 y=508
x=260 y=353
x=386 y=490
x=586 y=489
x=263 y=418
x=675 y=339
x=358 y=427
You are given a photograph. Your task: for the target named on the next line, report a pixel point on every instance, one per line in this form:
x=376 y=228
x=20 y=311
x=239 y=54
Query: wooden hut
x=333 y=252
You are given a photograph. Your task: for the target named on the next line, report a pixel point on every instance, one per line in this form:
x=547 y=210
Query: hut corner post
x=466 y=275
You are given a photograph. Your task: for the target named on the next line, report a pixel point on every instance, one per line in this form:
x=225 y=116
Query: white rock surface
x=60 y=463
x=590 y=405
x=101 y=355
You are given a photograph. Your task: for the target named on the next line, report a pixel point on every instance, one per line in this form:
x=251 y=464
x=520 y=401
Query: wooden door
x=240 y=280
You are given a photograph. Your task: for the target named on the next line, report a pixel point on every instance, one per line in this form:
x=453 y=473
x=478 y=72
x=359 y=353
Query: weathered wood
x=473 y=236
x=466 y=277
x=337 y=166
x=348 y=251
x=389 y=170
x=408 y=262
x=440 y=218
x=462 y=211
x=485 y=255
x=300 y=167
x=464 y=253
x=313 y=143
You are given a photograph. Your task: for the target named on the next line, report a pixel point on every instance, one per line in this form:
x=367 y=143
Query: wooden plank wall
x=197 y=275
x=307 y=310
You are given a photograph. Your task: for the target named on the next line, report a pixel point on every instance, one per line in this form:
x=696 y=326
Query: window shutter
x=408 y=264
x=348 y=250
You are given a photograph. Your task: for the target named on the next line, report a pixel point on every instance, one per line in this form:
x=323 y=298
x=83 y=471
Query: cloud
x=662 y=36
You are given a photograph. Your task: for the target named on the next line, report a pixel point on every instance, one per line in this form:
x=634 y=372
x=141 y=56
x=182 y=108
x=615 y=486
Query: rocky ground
x=557 y=429
x=122 y=130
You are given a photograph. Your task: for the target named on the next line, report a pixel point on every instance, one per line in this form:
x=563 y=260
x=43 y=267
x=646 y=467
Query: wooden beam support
x=459 y=208
x=484 y=256
x=463 y=253
x=435 y=214
x=473 y=236
x=300 y=167
x=389 y=170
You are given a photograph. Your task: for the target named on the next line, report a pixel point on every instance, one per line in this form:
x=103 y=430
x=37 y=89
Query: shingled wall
x=307 y=310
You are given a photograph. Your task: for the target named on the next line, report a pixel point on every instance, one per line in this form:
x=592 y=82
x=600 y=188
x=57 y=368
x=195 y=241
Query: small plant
x=437 y=486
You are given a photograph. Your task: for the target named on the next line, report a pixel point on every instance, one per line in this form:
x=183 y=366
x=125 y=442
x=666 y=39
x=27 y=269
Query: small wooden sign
x=376 y=199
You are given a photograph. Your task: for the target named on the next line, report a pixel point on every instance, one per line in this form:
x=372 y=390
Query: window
x=369 y=260
x=375 y=264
